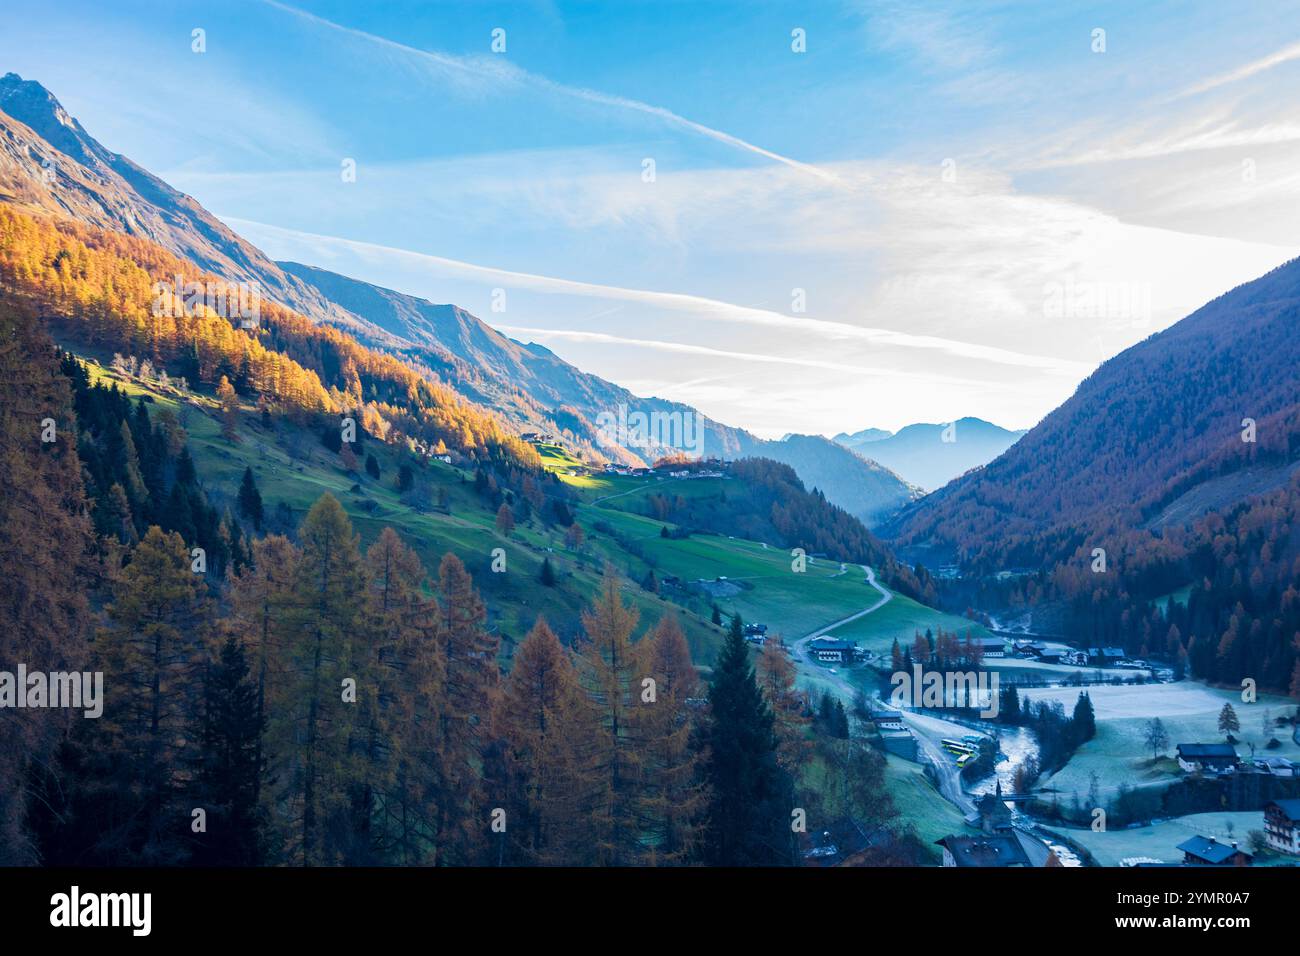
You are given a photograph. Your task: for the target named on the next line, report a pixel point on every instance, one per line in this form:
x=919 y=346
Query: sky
x=797 y=217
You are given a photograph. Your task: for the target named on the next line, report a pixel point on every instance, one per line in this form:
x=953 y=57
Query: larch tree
x=776 y=676
x=470 y=655
x=674 y=795
x=152 y=652
x=46 y=548
x=549 y=733
x=326 y=673
x=613 y=672
x=404 y=630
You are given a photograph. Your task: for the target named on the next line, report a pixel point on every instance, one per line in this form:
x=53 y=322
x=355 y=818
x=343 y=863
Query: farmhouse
x=1207 y=851
x=1007 y=847
x=992 y=646
x=1207 y=758
x=1282 y=825
x=831 y=650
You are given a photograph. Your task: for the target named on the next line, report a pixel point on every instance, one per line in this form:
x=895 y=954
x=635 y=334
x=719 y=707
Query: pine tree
x=250 y=499
x=749 y=812
x=1084 y=724
x=547 y=576
x=229 y=766
x=1228 y=722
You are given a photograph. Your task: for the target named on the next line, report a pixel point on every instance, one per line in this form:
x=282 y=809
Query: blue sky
x=936 y=210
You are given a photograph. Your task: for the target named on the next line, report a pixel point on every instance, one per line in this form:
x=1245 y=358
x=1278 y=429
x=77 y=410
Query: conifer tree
x=45 y=559
x=229 y=767
x=674 y=795
x=470 y=653
x=612 y=674
x=313 y=721
x=549 y=732
x=152 y=652
x=750 y=806
x=250 y=499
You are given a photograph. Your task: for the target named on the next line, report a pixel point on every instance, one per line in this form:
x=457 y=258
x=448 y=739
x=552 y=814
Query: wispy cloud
x=1247 y=70
x=604 y=338
x=498 y=70
x=699 y=306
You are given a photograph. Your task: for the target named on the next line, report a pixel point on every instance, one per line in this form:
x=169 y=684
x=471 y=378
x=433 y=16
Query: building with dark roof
x=1282 y=825
x=1207 y=758
x=831 y=650
x=1006 y=847
x=1207 y=851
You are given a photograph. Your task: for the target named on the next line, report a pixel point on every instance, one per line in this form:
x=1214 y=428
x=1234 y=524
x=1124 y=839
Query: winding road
x=924 y=729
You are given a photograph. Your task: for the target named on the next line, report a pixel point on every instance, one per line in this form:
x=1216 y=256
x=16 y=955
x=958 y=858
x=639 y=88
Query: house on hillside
x=1282 y=825
x=831 y=650
x=1207 y=758
x=1207 y=851
x=992 y=646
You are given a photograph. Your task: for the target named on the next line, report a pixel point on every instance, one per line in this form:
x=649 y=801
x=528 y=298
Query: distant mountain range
x=1195 y=418
x=526 y=384
x=930 y=456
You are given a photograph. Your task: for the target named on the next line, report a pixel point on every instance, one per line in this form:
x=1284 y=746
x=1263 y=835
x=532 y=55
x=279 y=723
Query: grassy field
x=920 y=804
x=514 y=598
x=1189 y=712
x=1160 y=840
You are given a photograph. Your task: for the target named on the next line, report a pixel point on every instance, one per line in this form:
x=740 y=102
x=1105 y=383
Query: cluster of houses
x=1281 y=833
x=1219 y=759
x=1051 y=653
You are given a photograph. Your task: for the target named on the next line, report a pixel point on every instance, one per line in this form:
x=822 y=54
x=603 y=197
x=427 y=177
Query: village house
x=1207 y=851
x=992 y=646
x=830 y=650
x=1006 y=847
x=1282 y=825
x=1207 y=758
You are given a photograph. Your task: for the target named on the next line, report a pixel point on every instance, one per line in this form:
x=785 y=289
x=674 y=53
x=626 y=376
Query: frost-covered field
x=1190 y=713
x=1160 y=841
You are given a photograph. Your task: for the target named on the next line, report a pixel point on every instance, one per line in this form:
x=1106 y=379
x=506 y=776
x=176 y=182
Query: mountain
x=861 y=487
x=864 y=437
x=50 y=165
x=1153 y=437
x=930 y=456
